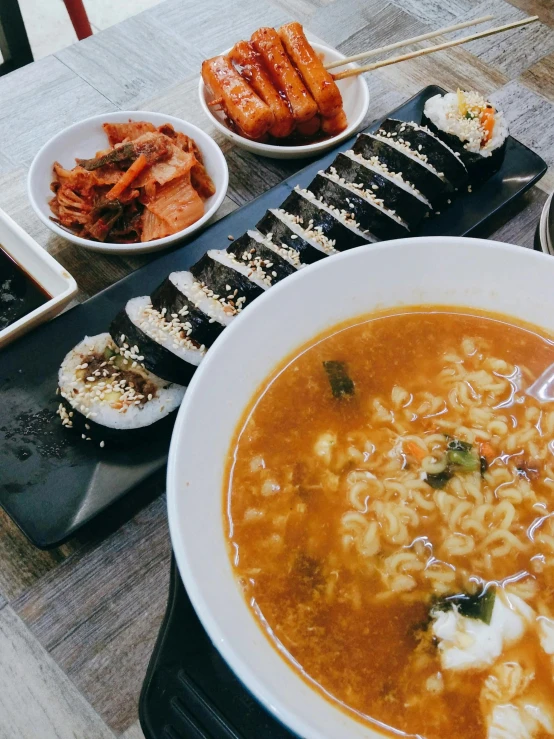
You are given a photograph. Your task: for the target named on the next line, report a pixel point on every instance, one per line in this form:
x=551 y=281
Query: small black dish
x=189 y=692
x=51 y=482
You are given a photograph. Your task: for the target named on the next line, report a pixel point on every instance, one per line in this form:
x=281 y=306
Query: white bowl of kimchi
x=173 y=201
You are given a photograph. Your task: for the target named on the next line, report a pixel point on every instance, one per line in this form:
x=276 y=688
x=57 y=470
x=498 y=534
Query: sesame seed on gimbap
x=401 y=159
x=181 y=297
x=427 y=146
x=365 y=207
x=471 y=126
x=107 y=395
x=395 y=195
x=162 y=342
x=258 y=256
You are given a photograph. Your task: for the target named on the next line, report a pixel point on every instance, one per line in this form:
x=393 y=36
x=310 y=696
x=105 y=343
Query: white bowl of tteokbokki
x=361 y=493
x=127 y=182
x=272 y=96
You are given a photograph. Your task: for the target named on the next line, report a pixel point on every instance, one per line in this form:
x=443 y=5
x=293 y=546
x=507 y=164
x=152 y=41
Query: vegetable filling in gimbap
x=108 y=387
x=471 y=126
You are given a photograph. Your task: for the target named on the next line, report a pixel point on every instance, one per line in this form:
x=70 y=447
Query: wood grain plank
x=181 y=100
x=214 y=26
x=132 y=61
x=517 y=222
x=6 y=164
x=40 y=100
x=250 y=176
x=543 y=8
x=133 y=732
x=526 y=114
x=36 y=698
x=450 y=69
x=514 y=51
x=540 y=77
x=382 y=23
x=437 y=13
x=99 y=612
x=300 y=10
x=21 y=564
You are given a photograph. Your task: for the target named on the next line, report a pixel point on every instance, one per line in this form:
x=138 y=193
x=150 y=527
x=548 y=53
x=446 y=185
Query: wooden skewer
x=408 y=42
x=439 y=47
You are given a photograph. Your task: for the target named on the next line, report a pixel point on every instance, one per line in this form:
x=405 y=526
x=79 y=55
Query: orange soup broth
x=318 y=599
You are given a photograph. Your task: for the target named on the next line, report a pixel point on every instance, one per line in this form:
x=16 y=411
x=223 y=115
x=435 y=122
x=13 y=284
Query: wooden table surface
x=78 y=624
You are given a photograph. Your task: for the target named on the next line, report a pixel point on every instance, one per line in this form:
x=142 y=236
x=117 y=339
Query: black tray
x=52 y=483
x=189 y=692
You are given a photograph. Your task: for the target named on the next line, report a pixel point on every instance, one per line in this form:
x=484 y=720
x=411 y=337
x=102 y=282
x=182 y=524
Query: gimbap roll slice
x=471 y=126
x=429 y=147
x=283 y=229
x=225 y=278
x=366 y=208
x=108 y=395
x=289 y=254
x=251 y=251
x=161 y=343
x=333 y=229
x=400 y=159
x=279 y=228
x=181 y=297
x=396 y=196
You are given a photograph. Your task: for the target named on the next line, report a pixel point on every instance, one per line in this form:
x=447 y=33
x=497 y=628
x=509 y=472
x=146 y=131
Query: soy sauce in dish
x=19 y=293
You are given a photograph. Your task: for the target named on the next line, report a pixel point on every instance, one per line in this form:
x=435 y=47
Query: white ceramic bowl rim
x=305 y=149
x=202 y=139
x=521 y=264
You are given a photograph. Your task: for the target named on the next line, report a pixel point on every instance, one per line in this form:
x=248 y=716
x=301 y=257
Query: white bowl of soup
x=361 y=494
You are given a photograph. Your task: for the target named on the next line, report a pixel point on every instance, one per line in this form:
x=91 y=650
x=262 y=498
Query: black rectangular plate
x=189 y=691
x=52 y=483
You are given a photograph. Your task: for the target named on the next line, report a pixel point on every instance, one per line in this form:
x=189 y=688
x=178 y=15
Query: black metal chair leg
x=14 y=43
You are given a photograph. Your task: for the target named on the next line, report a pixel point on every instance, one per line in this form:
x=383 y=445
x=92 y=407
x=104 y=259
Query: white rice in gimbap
x=111 y=388
x=197 y=294
x=289 y=254
x=170 y=331
x=472 y=127
x=469 y=117
x=375 y=164
x=310 y=234
x=343 y=216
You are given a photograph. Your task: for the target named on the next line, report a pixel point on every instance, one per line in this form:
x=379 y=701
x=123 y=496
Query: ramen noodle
x=390 y=507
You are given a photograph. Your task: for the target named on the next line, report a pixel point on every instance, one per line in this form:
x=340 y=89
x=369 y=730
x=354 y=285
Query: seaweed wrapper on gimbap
x=161 y=341
x=402 y=160
x=252 y=252
x=283 y=230
x=429 y=147
x=228 y=281
x=364 y=206
x=181 y=297
x=472 y=127
x=330 y=229
x=394 y=193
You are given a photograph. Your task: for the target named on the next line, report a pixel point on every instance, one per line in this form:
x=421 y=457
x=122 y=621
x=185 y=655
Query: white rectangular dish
x=42 y=269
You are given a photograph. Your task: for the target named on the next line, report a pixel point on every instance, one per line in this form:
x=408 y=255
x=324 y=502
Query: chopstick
x=439 y=47
x=408 y=42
